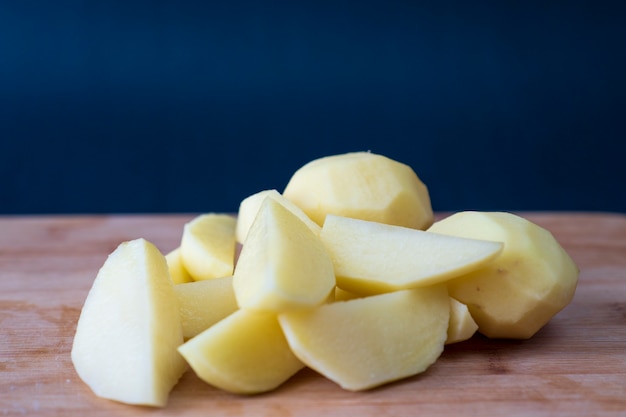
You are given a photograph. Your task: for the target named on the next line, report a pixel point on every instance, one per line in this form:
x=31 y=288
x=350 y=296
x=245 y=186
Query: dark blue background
x=163 y=106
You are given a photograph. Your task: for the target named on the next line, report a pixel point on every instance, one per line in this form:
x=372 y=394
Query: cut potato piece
x=462 y=326
x=204 y=303
x=366 y=342
x=245 y=353
x=283 y=264
x=372 y=258
x=178 y=272
x=520 y=291
x=249 y=207
x=208 y=246
x=125 y=346
x=362 y=185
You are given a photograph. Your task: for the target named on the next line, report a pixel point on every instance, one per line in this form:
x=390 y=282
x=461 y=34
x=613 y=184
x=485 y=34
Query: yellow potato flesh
x=519 y=292
x=361 y=185
x=371 y=257
x=462 y=326
x=245 y=353
x=129 y=329
x=178 y=272
x=208 y=246
x=249 y=207
x=204 y=303
x=366 y=342
x=282 y=264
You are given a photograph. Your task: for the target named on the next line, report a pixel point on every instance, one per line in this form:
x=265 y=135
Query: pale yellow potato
x=204 y=303
x=178 y=272
x=125 y=346
x=366 y=342
x=362 y=185
x=245 y=353
x=249 y=207
x=372 y=258
x=208 y=245
x=520 y=291
x=462 y=326
x=283 y=264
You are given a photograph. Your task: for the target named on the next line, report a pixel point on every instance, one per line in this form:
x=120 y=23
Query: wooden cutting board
x=575 y=366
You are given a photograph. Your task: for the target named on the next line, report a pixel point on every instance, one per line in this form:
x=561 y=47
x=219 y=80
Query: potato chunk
x=204 y=303
x=366 y=342
x=129 y=329
x=178 y=272
x=249 y=207
x=362 y=185
x=245 y=353
x=283 y=264
x=519 y=292
x=207 y=247
x=371 y=257
x=462 y=325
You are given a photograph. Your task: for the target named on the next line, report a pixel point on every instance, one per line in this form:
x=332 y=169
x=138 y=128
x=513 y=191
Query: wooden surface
x=576 y=365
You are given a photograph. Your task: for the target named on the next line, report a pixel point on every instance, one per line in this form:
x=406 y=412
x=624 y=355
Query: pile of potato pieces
x=345 y=272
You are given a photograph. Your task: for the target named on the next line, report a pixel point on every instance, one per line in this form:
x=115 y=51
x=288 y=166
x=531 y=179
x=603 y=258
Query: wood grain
x=575 y=366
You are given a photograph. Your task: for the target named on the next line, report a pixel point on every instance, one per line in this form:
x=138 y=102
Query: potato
x=371 y=257
x=204 y=303
x=249 y=207
x=366 y=342
x=178 y=272
x=462 y=325
x=245 y=353
x=129 y=329
x=208 y=246
x=282 y=264
x=521 y=290
x=361 y=185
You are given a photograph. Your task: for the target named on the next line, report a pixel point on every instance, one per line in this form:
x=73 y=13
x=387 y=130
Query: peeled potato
x=283 y=264
x=462 y=325
x=520 y=291
x=245 y=353
x=361 y=185
x=178 y=272
x=208 y=245
x=366 y=342
x=249 y=207
x=371 y=257
x=129 y=329
x=204 y=303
